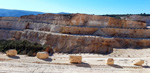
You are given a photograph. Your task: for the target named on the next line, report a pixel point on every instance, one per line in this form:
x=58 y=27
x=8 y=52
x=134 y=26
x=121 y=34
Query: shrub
x=22 y=46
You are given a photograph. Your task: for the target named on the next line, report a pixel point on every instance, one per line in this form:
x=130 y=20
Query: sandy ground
x=92 y=63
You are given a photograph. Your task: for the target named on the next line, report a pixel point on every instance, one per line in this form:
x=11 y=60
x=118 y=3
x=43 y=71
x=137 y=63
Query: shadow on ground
x=48 y=59
x=116 y=66
x=86 y=65
x=14 y=57
x=146 y=66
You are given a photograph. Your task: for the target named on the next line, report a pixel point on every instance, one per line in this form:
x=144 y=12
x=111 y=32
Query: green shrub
x=22 y=46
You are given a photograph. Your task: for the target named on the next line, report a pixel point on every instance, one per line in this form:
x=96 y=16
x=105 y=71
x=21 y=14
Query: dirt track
x=92 y=63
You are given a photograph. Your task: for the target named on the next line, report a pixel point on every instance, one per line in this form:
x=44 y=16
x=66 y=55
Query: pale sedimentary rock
x=107 y=32
x=75 y=59
x=76 y=33
x=110 y=61
x=78 y=30
x=138 y=62
x=75 y=43
x=42 y=55
x=138 y=18
x=84 y=20
x=11 y=52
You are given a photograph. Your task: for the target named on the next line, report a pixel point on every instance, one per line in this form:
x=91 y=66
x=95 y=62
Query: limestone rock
x=138 y=18
x=42 y=55
x=75 y=59
x=110 y=61
x=78 y=30
x=138 y=62
x=75 y=33
x=11 y=52
x=84 y=20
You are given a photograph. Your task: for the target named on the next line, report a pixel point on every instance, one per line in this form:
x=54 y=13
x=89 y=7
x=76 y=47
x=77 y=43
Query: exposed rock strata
x=138 y=18
x=75 y=44
x=107 y=32
x=77 y=33
x=84 y=20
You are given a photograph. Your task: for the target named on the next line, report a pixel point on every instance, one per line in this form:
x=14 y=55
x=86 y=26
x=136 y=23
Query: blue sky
x=80 y=6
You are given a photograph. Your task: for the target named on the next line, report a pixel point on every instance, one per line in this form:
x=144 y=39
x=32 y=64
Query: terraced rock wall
x=138 y=18
x=124 y=33
x=77 y=33
x=75 y=44
x=84 y=20
x=106 y=32
x=65 y=41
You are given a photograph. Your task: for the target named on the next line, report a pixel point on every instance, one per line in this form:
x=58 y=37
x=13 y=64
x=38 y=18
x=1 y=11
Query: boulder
x=138 y=62
x=110 y=61
x=11 y=52
x=42 y=55
x=75 y=59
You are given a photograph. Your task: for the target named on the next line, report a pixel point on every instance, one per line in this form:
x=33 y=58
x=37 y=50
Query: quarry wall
x=106 y=32
x=138 y=18
x=75 y=44
x=77 y=33
x=84 y=42
x=85 y=20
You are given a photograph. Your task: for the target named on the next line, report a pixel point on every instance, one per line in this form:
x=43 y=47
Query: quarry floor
x=92 y=63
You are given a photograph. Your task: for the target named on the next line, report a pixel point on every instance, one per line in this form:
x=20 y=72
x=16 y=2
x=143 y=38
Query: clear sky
x=80 y=6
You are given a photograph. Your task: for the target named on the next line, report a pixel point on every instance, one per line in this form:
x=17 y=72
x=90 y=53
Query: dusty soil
x=92 y=63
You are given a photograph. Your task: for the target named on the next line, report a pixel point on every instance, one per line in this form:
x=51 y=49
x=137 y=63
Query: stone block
x=42 y=55
x=110 y=61
x=11 y=52
x=75 y=59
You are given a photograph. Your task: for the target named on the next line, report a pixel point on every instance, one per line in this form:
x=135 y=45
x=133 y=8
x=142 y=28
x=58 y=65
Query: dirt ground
x=91 y=63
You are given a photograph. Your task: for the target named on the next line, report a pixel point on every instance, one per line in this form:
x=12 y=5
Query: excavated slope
x=77 y=33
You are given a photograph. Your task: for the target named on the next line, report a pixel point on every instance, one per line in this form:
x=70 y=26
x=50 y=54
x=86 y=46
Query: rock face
x=84 y=20
x=11 y=52
x=78 y=30
x=42 y=55
x=77 y=33
x=138 y=18
x=75 y=59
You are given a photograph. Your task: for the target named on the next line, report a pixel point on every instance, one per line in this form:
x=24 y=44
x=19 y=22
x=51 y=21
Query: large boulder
x=110 y=61
x=138 y=62
x=42 y=55
x=75 y=59
x=11 y=52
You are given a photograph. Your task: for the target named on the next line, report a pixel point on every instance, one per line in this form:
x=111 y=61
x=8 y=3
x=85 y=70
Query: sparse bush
x=22 y=46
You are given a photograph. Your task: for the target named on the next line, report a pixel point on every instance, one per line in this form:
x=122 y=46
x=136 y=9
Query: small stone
x=110 y=61
x=138 y=62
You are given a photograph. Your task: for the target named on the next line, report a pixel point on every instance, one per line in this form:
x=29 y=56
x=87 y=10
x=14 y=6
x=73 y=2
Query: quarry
x=96 y=38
